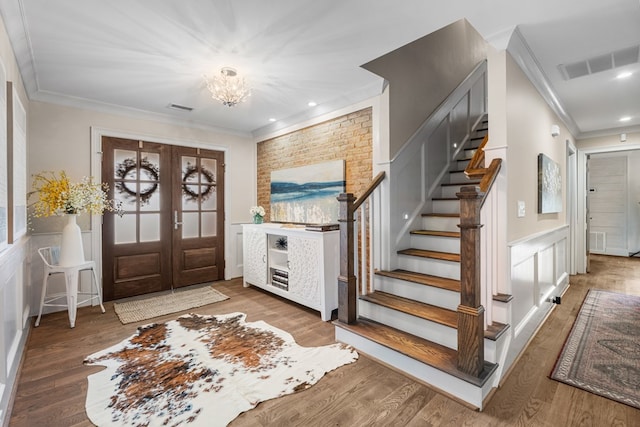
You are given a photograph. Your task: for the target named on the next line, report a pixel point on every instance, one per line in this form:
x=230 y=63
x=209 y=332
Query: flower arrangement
x=58 y=195
x=258 y=214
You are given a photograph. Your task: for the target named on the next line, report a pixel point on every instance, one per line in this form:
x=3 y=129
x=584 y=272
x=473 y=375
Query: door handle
x=176 y=223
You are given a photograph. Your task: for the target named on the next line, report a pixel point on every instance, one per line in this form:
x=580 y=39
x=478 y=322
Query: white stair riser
x=438 y=223
x=428 y=294
x=501 y=311
x=417 y=326
x=435 y=243
x=451 y=190
x=434 y=267
x=462 y=390
x=446 y=206
x=458 y=177
x=462 y=164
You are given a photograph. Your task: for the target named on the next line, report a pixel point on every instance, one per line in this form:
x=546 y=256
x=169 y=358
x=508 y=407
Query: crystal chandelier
x=228 y=87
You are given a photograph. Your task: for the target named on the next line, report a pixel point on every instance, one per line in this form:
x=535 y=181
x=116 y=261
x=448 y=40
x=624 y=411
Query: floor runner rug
x=148 y=308
x=202 y=371
x=602 y=353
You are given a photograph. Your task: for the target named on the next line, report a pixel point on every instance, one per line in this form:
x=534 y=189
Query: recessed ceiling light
x=625 y=119
x=272 y=119
x=624 y=75
x=312 y=104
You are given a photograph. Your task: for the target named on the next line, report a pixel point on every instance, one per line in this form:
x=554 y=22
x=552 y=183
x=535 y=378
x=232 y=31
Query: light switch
x=521 y=209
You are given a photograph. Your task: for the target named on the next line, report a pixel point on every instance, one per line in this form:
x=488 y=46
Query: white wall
x=529 y=120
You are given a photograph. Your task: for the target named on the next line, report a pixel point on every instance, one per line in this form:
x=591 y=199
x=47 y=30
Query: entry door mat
x=148 y=308
x=602 y=352
x=202 y=371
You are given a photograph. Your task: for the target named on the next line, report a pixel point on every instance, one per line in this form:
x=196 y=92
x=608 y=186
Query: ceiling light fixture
x=228 y=87
x=625 y=119
x=312 y=104
x=624 y=75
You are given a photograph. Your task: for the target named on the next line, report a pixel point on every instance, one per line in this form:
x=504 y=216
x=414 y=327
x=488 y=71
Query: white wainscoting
x=14 y=310
x=538 y=271
x=234 y=265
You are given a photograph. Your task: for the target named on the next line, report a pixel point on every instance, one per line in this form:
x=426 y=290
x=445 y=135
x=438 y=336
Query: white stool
x=50 y=255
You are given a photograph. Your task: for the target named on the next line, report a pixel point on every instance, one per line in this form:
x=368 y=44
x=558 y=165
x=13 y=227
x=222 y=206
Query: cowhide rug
x=202 y=370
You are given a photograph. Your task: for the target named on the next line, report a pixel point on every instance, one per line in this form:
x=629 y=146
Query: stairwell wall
x=529 y=121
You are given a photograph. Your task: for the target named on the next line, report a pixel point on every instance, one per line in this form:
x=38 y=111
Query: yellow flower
x=57 y=195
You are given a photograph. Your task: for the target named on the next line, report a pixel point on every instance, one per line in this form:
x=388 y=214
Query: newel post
x=347 y=292
x=470 y=310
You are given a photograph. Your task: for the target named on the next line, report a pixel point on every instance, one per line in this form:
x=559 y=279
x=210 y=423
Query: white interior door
x=607 y=204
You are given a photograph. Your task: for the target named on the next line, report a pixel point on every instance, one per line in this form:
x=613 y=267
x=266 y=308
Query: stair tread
x=446 y=256
x=439 y=233
x=502 y=297
x=430 y=312
x=495 y=330
x=427 y=352
x=423 y=279
x=443 y=215
x=448 y=184
x=443 y=199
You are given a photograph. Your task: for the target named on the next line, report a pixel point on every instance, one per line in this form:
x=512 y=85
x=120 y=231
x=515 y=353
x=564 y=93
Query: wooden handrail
x=372 y=186
x=490 y=176
x=347 y=281
x=475 y=167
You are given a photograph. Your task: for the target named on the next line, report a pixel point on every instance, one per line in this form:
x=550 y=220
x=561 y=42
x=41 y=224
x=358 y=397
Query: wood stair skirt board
x=428 y=362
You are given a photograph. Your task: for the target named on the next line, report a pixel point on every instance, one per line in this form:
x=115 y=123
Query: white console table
x=300 y=265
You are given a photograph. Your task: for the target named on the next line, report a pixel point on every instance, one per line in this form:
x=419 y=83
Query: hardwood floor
x=52 y=385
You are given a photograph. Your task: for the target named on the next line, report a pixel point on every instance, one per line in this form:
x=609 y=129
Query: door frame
x=581 y=227
x=96 y=172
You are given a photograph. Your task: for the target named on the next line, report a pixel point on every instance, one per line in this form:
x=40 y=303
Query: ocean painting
x=307 y=194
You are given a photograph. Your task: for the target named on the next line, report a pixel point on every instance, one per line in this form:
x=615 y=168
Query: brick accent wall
x=347 y=138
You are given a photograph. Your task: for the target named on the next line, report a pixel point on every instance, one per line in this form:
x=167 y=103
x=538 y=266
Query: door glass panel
x=190 y=197
x=149 y=196
x=150 y=227
x=123 y=195
x=149 y=181
x=190 y=225
x=125 y=228
x=209 y=226
x=208 y=171
x=190 y=187
x=149 y=169
x=209 y=197
x=124 y=165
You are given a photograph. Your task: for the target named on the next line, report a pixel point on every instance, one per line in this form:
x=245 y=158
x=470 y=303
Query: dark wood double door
x=172 y=231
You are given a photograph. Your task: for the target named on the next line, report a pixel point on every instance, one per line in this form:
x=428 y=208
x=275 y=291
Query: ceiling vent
x=600 y=63
x=180 y=107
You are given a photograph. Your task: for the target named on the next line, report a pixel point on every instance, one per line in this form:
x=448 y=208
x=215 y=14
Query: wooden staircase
x=410 y=319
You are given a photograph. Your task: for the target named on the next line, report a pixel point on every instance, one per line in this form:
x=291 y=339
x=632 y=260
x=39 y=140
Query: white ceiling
x=140 y=56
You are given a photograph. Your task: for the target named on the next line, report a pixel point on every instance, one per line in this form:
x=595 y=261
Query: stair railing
x=471 y=311
x=355 y=247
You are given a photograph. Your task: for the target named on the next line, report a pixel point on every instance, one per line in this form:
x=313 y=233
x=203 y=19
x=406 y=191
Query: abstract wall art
x=307 y=194
x=549 y=185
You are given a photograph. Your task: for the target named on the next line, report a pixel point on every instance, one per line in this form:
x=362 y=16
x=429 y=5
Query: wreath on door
x=190 y=179
x=149 y=170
